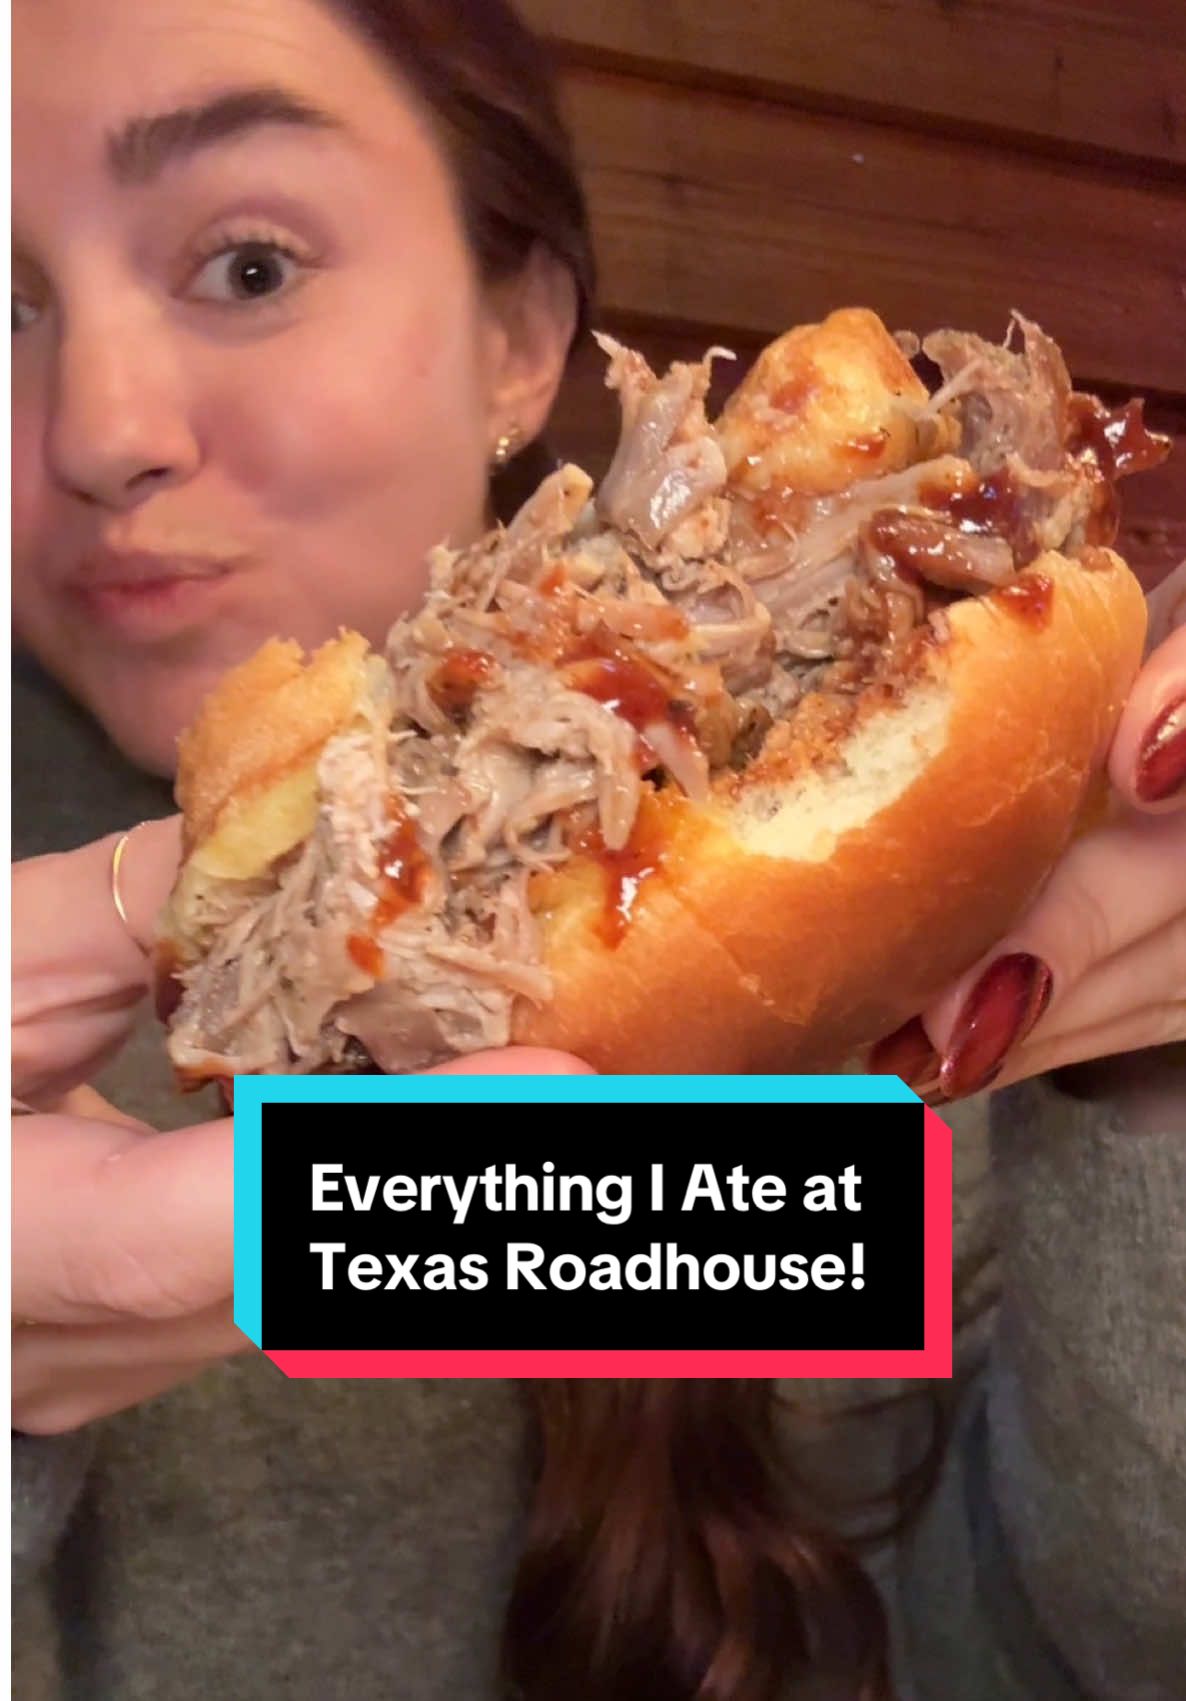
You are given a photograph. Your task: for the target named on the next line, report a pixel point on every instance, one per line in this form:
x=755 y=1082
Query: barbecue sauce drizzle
x=1119 y=438
x=1030 y=599
x=459 y=678
x=404 y=870
x=641 y=697
x=625 y=871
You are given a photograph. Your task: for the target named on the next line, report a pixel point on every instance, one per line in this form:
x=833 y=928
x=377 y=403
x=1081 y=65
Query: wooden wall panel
x=753 y=163
x=1153 y=537
x=1095 y=74
x=747 y=215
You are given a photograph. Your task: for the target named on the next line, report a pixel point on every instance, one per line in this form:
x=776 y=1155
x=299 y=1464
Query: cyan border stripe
x=248 y=1212
x=254 y=1091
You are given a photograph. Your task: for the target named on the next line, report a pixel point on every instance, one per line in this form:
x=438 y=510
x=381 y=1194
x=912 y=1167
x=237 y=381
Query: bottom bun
x=829 y=893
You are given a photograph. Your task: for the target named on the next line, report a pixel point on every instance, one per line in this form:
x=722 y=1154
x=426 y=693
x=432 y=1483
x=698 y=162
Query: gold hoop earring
x=505 y=447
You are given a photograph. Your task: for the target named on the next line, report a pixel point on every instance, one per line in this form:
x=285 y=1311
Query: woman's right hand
x=122 y=1261
x=123 y=1255
x=123 y=1238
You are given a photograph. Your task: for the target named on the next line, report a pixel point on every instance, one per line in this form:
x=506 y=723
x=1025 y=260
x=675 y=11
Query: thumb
x=108 y=1223
x=1147 y=763
x=515 y=1060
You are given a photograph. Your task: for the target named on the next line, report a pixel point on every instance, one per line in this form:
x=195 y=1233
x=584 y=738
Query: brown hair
x=486 y=83
x=671 y=1553
x=674 y=1552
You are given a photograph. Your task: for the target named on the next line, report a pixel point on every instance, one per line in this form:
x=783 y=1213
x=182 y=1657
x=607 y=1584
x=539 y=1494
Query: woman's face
x=254 y=376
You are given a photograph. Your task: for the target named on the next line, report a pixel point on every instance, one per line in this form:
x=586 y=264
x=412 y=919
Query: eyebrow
x=142 y=149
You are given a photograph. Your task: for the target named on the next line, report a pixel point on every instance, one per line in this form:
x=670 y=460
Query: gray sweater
x=250 y=1537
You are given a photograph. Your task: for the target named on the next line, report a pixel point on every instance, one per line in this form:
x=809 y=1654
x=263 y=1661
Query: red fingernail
x=908 y=1053
x=1002 y=1009
x=1161 y=765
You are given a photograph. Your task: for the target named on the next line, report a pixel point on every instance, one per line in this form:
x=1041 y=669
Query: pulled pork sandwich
x=728 y=765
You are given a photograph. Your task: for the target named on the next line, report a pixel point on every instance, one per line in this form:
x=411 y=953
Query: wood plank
x=719 y=211
x=1153 y=526
x=584 y=429
x=1097 y=74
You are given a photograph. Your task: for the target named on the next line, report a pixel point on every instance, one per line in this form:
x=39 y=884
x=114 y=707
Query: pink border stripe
x=514 y=1363
x=934 y=1360
x=937 y=1280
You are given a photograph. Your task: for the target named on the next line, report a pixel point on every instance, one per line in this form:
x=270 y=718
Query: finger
x=147 y=875
x=42 y=1349
x=1147 y=975
x=56 y=1410
x=65 y=1377
x=79 y=973
x=1167 y=606
x=84 y=1101
x=1113 y=887
x=515 y=1060
x=107 y=1224
x=1136 y=1030
x=1140 y=761
x=1147 y=762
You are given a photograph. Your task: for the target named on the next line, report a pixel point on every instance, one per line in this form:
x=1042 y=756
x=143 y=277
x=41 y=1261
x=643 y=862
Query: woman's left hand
x=1097 y=966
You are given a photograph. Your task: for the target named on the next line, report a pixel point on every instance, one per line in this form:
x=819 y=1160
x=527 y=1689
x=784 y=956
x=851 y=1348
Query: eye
x=246 y=272
x=24 y=314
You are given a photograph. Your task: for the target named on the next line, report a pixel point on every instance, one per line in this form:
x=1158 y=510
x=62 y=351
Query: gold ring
x=117 y=857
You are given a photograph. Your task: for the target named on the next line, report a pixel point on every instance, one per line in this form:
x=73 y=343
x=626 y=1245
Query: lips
x=134 y=571
x=143 y=597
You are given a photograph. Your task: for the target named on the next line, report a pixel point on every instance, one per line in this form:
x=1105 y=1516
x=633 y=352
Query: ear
x=532 y=317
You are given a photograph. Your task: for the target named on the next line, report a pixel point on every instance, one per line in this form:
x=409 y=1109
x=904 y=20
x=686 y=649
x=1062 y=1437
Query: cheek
x=30 y=497
x=358 y=415
x=28 y=433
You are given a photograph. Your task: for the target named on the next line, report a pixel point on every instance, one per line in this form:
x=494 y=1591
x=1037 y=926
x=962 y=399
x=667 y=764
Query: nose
x=119 y=427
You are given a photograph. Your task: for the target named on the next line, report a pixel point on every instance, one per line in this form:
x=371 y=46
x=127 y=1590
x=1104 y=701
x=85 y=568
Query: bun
x=255 y=747
x=839 y=389
x=832 y=892
x=729 y=770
